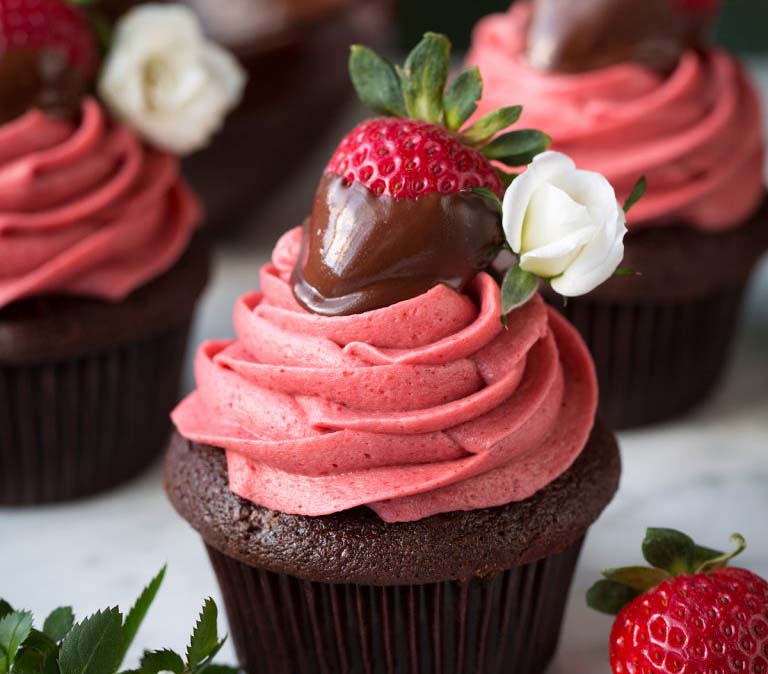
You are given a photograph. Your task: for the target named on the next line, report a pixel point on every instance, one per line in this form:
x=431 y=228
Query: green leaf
x=206 y=663
x=204 y=639
x=518 y=287
x=517 y=148
x=59 y=623
x=14 y=629
x=93 y=646
x=137 y=614
x=610 y=597
x=5 y=608
x=638 y=191
x=37 y=655
x=717 y=561
x=165 y=660
x=376 y=81
x=670 y=550
x=506 y=178
x=424 y=76
x=461 y=97
x=625 y=271
x=490 y=195
x=488 y=126
x=640 y=578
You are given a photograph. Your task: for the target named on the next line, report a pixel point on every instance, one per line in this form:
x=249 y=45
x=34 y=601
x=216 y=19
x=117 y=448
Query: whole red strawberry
x=48 y=26
x=688 y=614
x=410 y=200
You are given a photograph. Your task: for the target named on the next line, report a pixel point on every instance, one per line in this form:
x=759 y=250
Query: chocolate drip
x=581 y=35
x=362 y=252
x=34 y=78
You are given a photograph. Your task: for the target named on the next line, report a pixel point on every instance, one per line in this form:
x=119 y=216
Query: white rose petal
x=167 y=81
x=565 y=224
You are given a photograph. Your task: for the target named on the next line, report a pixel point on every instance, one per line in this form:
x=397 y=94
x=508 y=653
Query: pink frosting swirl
x=696 y=133
x=86 y=209
x=422 y=407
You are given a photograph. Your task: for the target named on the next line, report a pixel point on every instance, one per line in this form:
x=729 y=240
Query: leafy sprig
x=99 y=643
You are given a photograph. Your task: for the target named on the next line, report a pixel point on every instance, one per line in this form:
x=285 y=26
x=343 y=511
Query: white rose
x=166 y=80
x=565 y=224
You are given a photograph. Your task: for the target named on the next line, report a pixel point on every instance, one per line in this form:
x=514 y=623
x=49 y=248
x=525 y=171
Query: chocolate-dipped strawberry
x=579 y=36
x=48 y=57
x=407 y=200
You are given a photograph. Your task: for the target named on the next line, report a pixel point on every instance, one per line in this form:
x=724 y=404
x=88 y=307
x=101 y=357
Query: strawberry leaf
x=461 y=97
x=37 y=655
x=517 y=288
x=488 y=126
x=490 y=195
x=610 y=597
x=375 y=81
x=137 y=614
x=423 y=78
x=717 y=560
x=5 y=608
x=165 y=660
x=640 y=578
x=14 y=629
x=517 y=148
x=669 y=550
x=204 y=639
x=92 y=646
x=58 y=623
x=638 y=191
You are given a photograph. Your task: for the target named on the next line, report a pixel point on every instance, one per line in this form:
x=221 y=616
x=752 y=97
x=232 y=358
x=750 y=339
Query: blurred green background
x=743 y=25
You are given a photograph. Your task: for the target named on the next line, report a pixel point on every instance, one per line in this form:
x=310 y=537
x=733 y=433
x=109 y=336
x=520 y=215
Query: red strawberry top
x=48 y=56
x=406 y=158
x=410 y=199
x=686 y=614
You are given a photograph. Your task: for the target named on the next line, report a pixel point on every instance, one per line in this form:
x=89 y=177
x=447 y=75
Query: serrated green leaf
x=670 y=550
x=164 y=660
x=488 y=126
x=37 y=655
x=205 y=638
x=517 y=148
x=610 y=597
x=14 y=629
x=137 y=614
x=423 y=78
x=93 y=645
x=376 y=81
x=638 y=191
x=205 y=665
x=640 y=578
x=461 y=97
x=490 y=195
x=59 y=622
x=517 y=288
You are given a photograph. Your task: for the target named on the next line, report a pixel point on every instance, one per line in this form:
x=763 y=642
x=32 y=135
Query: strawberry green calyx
x=420 y=90
x=669 y=553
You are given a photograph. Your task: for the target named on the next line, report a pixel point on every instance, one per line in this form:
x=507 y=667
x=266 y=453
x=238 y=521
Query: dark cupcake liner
x=509 y=622
x=656 y=361
x=72 y=427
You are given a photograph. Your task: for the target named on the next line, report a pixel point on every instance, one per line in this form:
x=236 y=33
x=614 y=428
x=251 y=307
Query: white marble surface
x=706 y=474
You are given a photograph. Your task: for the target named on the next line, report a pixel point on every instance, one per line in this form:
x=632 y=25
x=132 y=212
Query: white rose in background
x=166 y=80
x=564 y=224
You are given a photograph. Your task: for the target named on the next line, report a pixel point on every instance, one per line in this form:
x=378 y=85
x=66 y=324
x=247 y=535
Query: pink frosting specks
x=695 y=133
x=85 y=209
x=410 y=417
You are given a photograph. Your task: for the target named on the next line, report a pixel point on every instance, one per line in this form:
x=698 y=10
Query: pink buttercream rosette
x=422 y=407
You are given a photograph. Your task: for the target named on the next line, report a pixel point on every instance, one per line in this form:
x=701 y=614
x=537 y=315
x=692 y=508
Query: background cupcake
x=100 y=266
x=395 y=463
x=632 y=89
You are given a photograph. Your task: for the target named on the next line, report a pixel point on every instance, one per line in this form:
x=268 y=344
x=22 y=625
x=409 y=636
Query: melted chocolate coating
x=577 y=36
x=362 y=252
x=34 y=78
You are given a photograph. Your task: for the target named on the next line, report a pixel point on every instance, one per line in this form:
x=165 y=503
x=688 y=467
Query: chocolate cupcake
x=394 y=464
x=628 y=89
x=100 y=271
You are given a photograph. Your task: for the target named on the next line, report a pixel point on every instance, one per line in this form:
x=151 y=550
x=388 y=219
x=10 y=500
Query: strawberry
x=688 y=614
x=48 y=26
x=420 y=147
